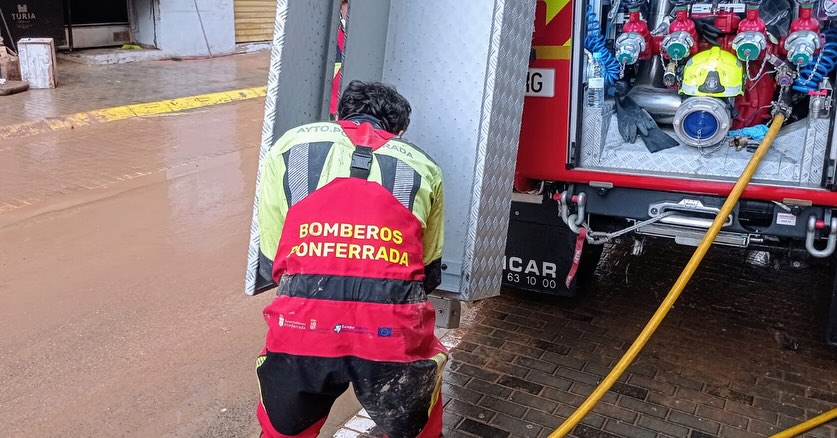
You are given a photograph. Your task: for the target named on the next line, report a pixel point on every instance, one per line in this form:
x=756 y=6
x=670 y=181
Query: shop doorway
x=92 y=24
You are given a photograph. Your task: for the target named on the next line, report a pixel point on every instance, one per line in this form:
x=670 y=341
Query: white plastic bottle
x=595 y=83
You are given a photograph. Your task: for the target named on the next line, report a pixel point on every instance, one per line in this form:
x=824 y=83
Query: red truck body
x=791 y=211
x=543 y=152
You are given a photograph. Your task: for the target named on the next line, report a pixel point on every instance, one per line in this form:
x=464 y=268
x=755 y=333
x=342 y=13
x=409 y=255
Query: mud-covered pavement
x=121 y=312
x=741 y=355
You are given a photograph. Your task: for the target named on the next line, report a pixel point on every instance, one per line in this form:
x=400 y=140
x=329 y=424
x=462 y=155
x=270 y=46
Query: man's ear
x=401 y=133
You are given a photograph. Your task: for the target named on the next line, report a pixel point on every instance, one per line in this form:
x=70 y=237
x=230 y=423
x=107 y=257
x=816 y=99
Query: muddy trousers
x=297 y=393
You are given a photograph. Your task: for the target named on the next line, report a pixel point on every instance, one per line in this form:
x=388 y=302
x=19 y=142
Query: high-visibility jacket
x=311 y=156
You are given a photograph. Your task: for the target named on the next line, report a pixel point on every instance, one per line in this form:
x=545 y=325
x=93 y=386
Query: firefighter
x=351 y=221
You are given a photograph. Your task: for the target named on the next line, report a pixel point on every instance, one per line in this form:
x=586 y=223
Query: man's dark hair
x=377 y=100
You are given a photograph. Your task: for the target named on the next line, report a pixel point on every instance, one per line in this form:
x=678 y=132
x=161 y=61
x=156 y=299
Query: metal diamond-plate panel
x=465 y=82
x=301 y=54
x=443 y=79
x=595 y=127
x=792 y=158
x=816 y=142
x=502 y=110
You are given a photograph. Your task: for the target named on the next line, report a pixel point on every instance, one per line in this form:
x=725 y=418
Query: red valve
x=682 y=23
x=805 y=20
x=753 y=23
x=637 y=25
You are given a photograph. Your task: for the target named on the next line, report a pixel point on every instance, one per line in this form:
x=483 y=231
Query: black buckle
x=361 y=162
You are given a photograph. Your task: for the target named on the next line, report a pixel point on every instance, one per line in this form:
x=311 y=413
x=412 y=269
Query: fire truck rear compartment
x=797 y=158
x=710 y=74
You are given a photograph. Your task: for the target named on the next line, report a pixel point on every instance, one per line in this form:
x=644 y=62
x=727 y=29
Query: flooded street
x=122 y=265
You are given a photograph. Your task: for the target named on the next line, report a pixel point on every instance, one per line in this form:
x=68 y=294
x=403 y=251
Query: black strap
x=361 y=162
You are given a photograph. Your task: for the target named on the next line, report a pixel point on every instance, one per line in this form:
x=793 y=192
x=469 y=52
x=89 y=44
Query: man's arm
x=434 y=236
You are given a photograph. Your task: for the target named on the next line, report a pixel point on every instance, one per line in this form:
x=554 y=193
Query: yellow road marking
x=128 y=111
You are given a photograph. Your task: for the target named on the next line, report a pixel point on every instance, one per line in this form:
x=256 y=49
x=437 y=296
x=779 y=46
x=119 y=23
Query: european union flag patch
x=384 y=332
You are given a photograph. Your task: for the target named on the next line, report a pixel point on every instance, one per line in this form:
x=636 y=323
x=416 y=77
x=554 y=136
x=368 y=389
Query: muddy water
x=121 y=312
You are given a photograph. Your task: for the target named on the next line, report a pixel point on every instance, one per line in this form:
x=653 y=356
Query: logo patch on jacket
x=384 y=332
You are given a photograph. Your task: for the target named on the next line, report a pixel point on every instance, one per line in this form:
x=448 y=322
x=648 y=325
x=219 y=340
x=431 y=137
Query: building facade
x=175 y=27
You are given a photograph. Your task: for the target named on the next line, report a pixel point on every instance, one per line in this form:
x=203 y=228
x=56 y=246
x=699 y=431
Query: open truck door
x=462 y=66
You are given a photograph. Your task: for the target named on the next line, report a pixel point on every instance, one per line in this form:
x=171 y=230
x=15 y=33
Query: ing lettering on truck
x=540 y=82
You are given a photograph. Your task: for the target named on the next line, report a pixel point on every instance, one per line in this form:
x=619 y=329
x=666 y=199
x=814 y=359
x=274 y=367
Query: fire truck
x=562 y=125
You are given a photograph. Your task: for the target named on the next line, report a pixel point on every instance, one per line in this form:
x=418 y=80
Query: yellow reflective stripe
x=441 y=359
x=553 y=52
x=259 y=362
x=553 y=7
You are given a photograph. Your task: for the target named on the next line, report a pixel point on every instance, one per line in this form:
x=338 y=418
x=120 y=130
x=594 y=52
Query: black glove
x=657 y=140
x=632 y=119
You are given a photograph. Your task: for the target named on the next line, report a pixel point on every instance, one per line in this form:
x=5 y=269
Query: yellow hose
x=808 y=425
x=681 y=282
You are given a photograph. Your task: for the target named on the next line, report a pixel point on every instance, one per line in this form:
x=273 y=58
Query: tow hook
x=815 y=224
x=573 y=220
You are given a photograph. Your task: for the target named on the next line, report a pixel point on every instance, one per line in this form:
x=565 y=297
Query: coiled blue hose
x=828 y=60
x=594 y=42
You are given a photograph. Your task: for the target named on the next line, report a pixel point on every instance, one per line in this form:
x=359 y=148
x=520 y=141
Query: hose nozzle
x=782 y=105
